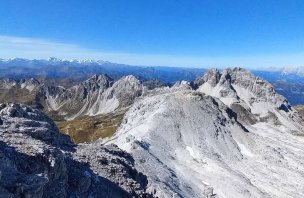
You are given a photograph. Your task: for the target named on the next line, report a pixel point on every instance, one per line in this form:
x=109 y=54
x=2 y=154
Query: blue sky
x=202 y=33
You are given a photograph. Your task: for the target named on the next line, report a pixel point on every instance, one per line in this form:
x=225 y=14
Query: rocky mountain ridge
x=228 y=134
x=97 y=95
x=30 y=84
x=82 y=69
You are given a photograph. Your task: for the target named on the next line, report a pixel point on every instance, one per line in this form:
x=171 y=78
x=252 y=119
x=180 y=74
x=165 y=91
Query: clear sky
x=201 y=33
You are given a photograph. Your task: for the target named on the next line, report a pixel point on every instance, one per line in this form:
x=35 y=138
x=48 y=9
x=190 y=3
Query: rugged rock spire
x=251 y=97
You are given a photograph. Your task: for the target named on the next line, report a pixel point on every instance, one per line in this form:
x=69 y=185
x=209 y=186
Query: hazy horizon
x=201 y=34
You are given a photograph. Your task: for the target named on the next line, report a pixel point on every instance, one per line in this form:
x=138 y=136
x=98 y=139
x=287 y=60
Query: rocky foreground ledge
x=39 y=161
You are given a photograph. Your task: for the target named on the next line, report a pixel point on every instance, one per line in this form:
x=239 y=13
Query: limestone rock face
x=30 y=84
x=38 y=161
x=253 y=98
x=212 y=76
x=98 y=95
x=231 y=79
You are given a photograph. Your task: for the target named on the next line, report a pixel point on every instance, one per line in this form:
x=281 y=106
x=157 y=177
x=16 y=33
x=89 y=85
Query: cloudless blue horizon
x=198 y=33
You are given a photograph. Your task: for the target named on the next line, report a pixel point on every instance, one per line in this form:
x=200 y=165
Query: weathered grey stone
x=38 y=161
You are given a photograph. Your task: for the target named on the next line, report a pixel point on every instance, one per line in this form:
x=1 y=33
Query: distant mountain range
x=288 y=81
x=288 y=70
x=81 y=70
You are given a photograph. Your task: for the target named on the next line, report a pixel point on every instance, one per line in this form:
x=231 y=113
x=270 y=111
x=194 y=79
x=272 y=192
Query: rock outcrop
x=38 y=161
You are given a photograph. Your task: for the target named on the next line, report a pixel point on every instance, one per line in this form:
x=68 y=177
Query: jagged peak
x=30 y=80
x=212 y=76
x=98 y=80
x=130 y=78
x=232 y=75
x=239 y=69
x=230 y=79
x=22 y=80
x=182 y=85
x=6 y=79
x=17 y=59
x=54 y=59
x=99 y=77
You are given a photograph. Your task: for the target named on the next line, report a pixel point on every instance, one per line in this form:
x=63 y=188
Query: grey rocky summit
x=38 y=161
x=252 y=97
x=261 y=89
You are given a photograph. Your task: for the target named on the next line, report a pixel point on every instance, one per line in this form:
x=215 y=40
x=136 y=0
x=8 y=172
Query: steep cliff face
x=38 y=161
x=74 y=101
x=229 y=84
x=95 y=96
x=253 y=98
